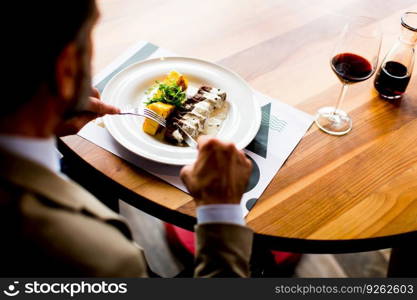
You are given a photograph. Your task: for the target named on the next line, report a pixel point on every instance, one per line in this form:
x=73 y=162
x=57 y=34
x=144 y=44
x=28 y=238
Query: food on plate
x=193 y=117
x=201 y=113
x=162 y=109
x=164 y=97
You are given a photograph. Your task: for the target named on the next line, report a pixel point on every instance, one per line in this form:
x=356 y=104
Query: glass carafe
x=394 y=74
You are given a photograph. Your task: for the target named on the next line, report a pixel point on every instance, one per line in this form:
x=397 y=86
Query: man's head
x=47 y=59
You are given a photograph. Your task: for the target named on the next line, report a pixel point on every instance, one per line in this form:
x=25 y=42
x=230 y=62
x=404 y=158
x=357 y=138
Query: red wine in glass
x=392 y=80
x=351 y=68
x=354 y=59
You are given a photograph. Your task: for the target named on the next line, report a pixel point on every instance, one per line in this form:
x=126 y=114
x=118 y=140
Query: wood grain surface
x=358 y=186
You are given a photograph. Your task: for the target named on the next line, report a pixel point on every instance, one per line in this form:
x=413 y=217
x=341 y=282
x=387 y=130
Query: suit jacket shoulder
x=53 y=227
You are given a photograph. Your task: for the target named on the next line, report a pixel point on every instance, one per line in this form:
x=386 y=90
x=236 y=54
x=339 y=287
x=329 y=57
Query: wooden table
x=334 y=194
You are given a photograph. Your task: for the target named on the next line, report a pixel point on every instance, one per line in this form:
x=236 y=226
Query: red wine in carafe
x=392 y=80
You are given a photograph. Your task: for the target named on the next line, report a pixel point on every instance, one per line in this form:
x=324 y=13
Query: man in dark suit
x=49 y=225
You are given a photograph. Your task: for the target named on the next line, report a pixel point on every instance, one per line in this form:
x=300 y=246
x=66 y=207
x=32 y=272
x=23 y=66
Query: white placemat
x=282 y=128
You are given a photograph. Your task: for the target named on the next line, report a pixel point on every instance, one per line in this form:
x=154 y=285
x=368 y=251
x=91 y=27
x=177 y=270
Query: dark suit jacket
x=50 y=226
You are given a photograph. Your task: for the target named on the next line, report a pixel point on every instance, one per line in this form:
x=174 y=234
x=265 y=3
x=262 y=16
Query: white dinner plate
x=128 y=88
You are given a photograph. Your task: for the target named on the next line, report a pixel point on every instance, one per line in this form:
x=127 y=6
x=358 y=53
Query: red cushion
x=186 y=239
x=181 y=236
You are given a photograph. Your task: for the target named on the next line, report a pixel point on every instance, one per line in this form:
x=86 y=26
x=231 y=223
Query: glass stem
x=341 y=97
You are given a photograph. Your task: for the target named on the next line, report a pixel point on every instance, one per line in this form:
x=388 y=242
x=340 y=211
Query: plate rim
x=108 y=124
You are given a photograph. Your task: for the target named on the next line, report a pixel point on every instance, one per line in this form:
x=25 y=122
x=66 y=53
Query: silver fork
x=144 y=112
x=150 y=114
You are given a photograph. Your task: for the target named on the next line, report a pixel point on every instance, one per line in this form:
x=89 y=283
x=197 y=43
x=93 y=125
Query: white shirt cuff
x=220 y=213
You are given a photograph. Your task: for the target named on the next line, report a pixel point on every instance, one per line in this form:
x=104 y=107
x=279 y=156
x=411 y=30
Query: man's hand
x=95 y=109
x=220 y=174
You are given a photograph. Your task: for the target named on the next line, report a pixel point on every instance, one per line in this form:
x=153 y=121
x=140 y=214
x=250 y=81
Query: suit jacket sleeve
x=223 y=250
x=82 y=245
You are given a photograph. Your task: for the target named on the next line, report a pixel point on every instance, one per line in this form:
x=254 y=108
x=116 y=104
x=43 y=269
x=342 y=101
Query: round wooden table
x=334 y=194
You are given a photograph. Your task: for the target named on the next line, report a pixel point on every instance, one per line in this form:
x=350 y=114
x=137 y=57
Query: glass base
x=333 y=121
x=390 y=97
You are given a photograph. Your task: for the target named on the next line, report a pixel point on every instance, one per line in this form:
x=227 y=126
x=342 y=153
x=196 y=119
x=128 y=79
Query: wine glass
x=354 y=59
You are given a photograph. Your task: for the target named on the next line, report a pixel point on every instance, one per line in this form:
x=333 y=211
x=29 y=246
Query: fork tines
x=152 y=115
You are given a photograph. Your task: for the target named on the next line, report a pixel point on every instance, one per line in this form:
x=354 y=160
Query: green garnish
x=167 y=93
x=151 y=88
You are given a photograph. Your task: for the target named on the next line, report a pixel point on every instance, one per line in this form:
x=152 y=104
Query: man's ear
x=66 y=72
